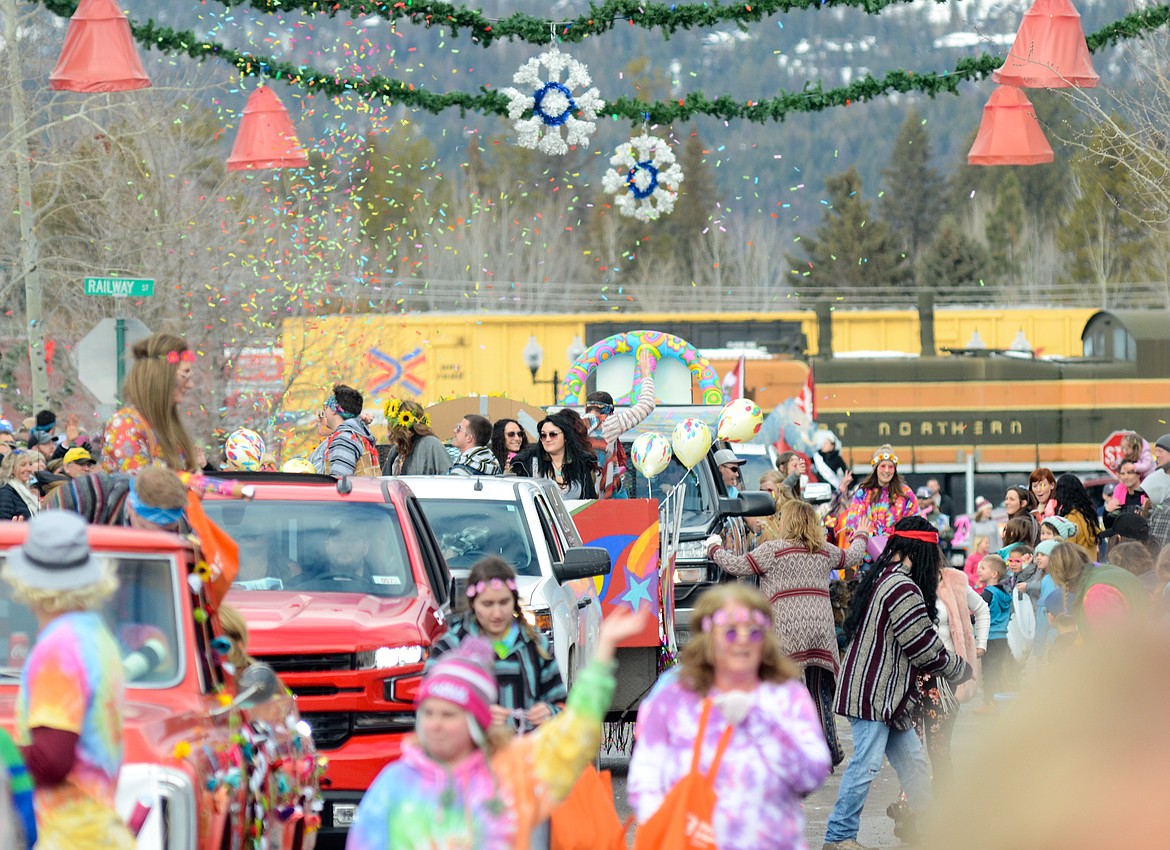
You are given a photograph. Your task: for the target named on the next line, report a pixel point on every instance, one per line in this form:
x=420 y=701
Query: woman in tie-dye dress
x=69 y=710
x=776 y=753
x=883 y=497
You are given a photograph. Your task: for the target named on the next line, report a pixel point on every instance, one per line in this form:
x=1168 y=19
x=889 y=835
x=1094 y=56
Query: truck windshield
x=471 y=529
x=699 y=500
x=339 y=547
x=141 y=615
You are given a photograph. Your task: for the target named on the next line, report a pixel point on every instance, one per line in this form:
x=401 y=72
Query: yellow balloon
x=740 y=421
x=691 y=441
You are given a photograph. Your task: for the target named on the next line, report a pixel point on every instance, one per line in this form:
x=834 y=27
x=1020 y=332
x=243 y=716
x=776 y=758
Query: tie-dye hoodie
x=485 y=804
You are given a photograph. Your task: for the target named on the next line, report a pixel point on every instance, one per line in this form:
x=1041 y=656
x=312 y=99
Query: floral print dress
x=777 y=755
x=128 y=443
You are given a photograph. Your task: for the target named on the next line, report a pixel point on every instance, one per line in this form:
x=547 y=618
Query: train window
x=1124 y=345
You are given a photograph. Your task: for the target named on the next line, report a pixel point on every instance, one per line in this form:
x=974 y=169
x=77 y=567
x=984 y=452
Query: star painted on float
x=638 y=591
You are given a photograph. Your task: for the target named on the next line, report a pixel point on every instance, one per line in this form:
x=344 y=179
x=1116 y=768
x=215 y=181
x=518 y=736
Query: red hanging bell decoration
x=99 y=53
x=266 y=138
x=1010 y=133
x=1049 y=51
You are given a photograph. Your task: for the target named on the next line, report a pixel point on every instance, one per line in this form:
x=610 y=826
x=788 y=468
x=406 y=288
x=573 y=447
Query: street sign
x=97 y=355
x=1111 y=452
x=120 y=287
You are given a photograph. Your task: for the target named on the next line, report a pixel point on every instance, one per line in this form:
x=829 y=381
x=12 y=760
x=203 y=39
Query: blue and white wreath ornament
x=644 y=179
x=552 y=104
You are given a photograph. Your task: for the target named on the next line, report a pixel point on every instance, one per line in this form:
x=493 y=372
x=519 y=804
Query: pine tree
x=852 y=248
x=955 y=263
x=1005 y=232
x=915 y=192
x=1107 y=244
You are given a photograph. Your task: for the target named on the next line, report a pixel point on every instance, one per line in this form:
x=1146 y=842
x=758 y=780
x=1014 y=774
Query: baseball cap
x=1130 y=525
x=725 y=456
x=5 y=426
x=78 y=455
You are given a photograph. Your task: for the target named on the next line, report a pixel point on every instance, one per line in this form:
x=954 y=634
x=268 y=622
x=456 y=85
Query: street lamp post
x=533 y=358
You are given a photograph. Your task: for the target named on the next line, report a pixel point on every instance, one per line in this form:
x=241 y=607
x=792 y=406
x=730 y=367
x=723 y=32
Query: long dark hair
x=925 y=559
x=580 y=459
x=1071 y=496
x=500 y=443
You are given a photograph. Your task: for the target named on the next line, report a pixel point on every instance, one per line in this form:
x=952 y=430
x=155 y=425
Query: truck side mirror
x=748 y=503
x=582 y=562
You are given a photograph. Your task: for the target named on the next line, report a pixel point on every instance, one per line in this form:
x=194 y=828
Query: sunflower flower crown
x=397 y=414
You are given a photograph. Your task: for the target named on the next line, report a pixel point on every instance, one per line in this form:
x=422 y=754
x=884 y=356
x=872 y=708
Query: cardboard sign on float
x=445 y=415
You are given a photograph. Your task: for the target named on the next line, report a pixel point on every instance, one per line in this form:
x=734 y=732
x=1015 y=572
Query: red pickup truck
x=217 y=768
x=344 y=589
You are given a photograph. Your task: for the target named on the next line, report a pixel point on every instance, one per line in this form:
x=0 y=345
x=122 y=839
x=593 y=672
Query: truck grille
x=310 y=662
x=330 y=729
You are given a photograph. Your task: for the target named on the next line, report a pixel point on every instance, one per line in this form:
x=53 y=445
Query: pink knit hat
x=466 y=677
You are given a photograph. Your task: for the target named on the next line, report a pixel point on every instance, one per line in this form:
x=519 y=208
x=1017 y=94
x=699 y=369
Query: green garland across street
x=813 y=98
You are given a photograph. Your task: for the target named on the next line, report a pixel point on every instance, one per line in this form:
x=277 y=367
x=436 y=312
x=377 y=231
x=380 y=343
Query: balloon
x=244 y=449
x=298 y=464
x=740 y=421
x=650 y=454
x=691 y=441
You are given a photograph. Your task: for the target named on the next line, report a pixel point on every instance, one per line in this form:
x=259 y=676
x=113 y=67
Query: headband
x=158 y=516
x=331 y=404
x=925 y=536
x=890 y=456
x=173 y=357
x=474 y=590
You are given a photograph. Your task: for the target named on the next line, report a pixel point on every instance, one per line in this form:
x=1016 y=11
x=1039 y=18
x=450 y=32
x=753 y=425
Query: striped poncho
x=895 y=640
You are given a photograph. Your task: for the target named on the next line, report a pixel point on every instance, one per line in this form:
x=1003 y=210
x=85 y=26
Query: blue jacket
x=999 y=602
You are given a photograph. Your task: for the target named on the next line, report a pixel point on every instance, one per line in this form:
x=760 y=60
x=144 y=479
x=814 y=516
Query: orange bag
x=587 y=819
x=686 y=818
x=219 y=550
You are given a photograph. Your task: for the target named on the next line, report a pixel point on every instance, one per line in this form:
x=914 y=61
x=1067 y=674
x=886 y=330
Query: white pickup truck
x=525 y=522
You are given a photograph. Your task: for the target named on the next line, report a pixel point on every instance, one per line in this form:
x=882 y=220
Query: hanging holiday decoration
x=813 y=97
x=99 y=54
x=644 y=179
x=1009 y=134
x=545 y=105
x=1049 y=51
x=266 y=138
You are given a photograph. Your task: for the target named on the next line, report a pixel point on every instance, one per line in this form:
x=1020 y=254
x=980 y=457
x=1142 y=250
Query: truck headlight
x=172 y=822
x=692 y=550
x=690 y=575
x=385 y=657
x=539 y=618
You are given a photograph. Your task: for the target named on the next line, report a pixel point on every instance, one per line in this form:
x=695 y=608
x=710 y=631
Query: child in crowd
x=1020 y=529
x=992 y=570
x=980 y=546
x=1060 y=623
x=1022 y=572
x=1057 y=528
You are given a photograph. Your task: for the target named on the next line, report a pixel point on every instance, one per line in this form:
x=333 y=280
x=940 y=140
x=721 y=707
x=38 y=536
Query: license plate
x=343 y=813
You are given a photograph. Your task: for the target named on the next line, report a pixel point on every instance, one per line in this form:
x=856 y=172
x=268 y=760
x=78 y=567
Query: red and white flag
x=806 y=402
x=733 y=382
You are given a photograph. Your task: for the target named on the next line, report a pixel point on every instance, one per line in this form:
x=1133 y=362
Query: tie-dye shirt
x=72 y=681
x=777 y=754
x=481 y=804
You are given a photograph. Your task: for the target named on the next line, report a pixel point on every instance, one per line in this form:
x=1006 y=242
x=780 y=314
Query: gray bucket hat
x=55 y=554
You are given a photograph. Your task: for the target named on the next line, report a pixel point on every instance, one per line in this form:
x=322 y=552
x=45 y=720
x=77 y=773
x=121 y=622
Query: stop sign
x=1111 y=452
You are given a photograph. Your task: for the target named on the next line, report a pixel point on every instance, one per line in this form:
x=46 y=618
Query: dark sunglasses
x=548 y=435
x=513 y=433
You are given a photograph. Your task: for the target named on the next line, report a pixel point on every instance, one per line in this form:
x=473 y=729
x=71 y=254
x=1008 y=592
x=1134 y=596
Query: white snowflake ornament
x=551 y=104
x=644 y=179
